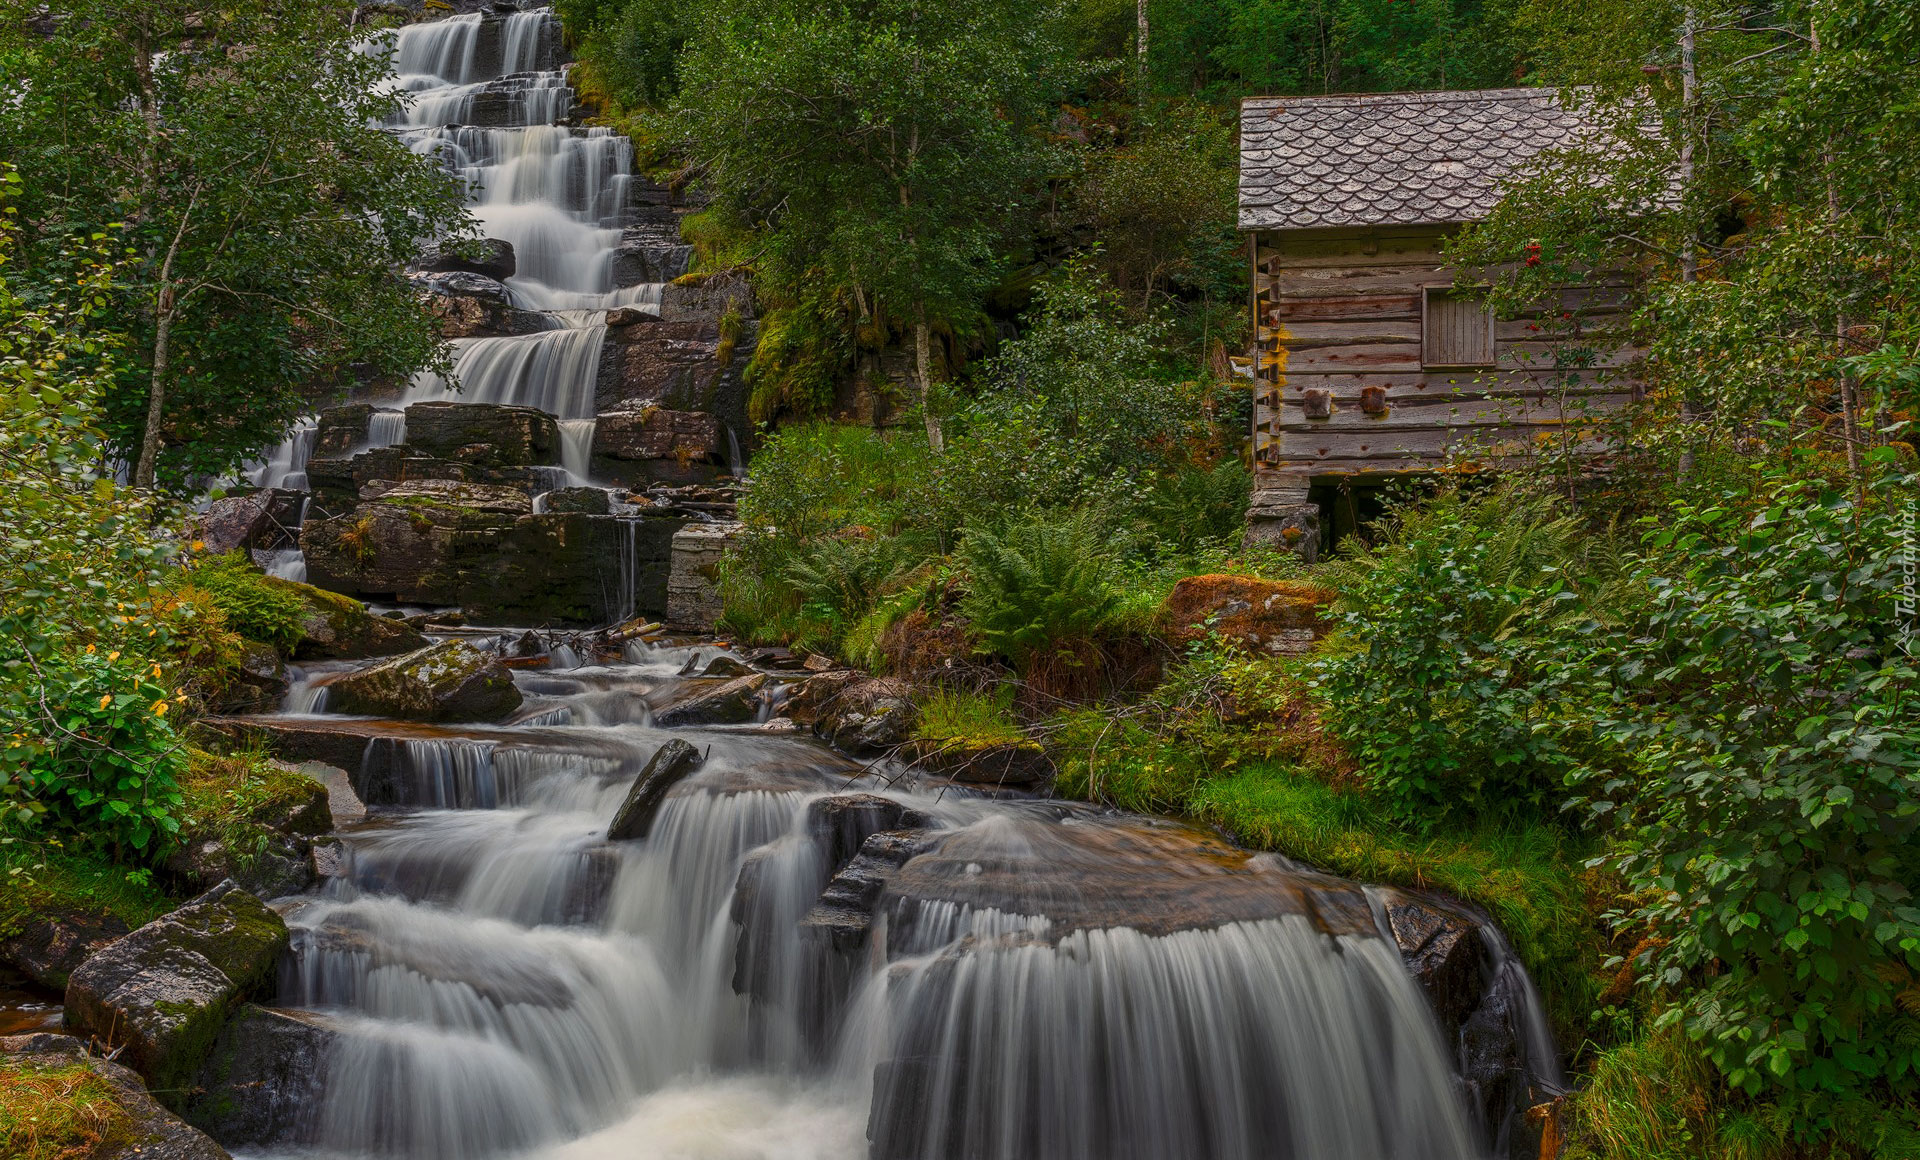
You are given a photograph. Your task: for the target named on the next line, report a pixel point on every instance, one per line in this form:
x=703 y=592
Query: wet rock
x=733 y=703
x=486 y=434
x=263 y=1080
x=1277 y=617
x=341 y=744
x=1446 y=956
x=840 y=825
x=645 y=256
x=153 y=1133
x=163 y=992
x=51 y=943
x=706 y=298
x=843 y=917
x=670 y=764
x=468 y=305
x=526 y=646
x=342 y=428
x=860 y=715
x=621 y=317
x=266 y=519
x=591 y=501
x=488 y=257
x=275 y=858
x=450 y=681
x=725 y=666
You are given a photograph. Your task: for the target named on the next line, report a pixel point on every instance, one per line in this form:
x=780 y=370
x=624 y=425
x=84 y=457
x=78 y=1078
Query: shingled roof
x=1398 y=159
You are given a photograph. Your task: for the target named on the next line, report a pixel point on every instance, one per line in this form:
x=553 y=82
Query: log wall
x=1343 y=390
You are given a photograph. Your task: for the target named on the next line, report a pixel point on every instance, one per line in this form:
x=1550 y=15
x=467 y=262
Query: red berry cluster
x=1533 y=253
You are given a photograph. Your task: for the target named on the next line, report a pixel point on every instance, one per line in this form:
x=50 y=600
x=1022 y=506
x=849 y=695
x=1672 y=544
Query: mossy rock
x=450 y=681
x=336 y=627
x=164 y=992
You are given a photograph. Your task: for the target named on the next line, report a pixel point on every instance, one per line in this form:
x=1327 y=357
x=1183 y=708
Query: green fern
x=1040 y=584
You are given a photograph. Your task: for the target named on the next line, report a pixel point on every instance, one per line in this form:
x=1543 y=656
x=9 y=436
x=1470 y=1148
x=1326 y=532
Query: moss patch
x=62 y=1112
x=244 y=802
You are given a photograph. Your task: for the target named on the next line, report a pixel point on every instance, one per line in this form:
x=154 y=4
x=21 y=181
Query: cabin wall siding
x=1339 y=311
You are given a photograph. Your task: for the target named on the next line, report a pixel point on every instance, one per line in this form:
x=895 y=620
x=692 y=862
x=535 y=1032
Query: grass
x=226 y=795
x=47 y=878
x=969 y=720
x=63 y=1112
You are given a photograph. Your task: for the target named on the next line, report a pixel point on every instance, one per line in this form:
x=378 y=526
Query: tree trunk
x=157 y=389
x=922 y=359
x=1689 y=260
x=1140 y=46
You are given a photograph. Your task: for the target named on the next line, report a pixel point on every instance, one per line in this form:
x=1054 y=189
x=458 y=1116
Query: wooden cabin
x=1368 y=363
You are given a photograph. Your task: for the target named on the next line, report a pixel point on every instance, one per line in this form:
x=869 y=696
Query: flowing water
x=559 y=194
x=1041 y=981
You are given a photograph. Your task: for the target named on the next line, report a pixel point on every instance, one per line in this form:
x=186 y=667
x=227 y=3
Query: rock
x=725 y=666
x=859 y=714
x=486 y=434
x=843 y=916
x=1445 y=954
x=623 y=316
x=153 y=1133
x=468 y=305
x=656 y=444
x=488 y=257
x=257 y=684
x=50 y=944
x=1011 y=765
x=733 y=703
x=1277 y=617
x=164 y=992
x=670 y=764
x=705 y=298
x=840 y=825
x=341 y=429
x=645 y=255
x=283 y=827
x=338 y=743
x=526 y=646
x=337 y=627
x=266 y=519
x=450 y=681
x=693 y=584
x=592 y=501
x=262 y=1083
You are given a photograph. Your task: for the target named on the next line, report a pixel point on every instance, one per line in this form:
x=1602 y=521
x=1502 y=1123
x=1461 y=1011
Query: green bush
x=1768 y=719
x=1198 y=507
x=1441 y=684
x=840 y=579
x=1041 y=585
x=250 y=602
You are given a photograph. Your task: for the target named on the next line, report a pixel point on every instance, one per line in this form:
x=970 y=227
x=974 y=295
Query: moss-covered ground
x=61 y=1112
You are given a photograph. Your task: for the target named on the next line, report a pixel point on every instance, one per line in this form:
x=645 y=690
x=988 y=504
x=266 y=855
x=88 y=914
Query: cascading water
x=1040 y=981
x=558 y=194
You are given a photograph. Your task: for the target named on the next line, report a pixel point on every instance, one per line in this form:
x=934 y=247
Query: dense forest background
x=1657 y=710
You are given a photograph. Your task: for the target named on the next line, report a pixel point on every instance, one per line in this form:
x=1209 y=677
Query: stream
x=1037 y=979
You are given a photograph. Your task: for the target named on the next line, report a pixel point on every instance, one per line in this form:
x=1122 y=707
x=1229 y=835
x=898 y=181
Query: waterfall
x=386 y=428
x=286 y=465
x=576 y=447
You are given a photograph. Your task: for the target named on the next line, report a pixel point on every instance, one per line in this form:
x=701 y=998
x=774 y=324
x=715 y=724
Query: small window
x=1459 y=329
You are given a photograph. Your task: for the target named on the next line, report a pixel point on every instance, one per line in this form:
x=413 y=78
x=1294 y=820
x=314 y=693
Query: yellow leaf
x=106 y=699
x=113 y=656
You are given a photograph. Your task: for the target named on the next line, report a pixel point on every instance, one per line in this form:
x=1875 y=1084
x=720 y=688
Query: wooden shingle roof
x=1397 y=159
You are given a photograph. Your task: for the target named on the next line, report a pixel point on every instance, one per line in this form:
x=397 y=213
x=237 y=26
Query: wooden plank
x=1301 y=285
x=1306 y=335
x=1376 y=358
x=1426 y=414
x=1353 y=308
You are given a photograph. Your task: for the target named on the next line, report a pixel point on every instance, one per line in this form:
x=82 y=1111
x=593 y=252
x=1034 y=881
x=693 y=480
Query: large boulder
x=402 y=543
x=670 y=764
x=163 y=993
x=654 y=443
x=487 y=434
x=256 y=684
x=336 y=627
x=468 y=305
x=269 y=850
x=732 y=702
x=149 y=1131
x=1275 y=617
x=262 y=1083
x=265 y=519
x=449 y=681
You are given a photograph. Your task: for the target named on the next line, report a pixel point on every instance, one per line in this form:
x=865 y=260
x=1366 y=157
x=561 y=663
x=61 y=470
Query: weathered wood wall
x=1338 y=312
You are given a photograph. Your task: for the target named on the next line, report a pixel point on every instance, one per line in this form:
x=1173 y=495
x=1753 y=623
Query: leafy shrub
x=841 y=578
x=1198 y=507
x=252 y=604
x=1042 y=584
x=106 y=767
x=1441 y=685
x=1770 y=725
